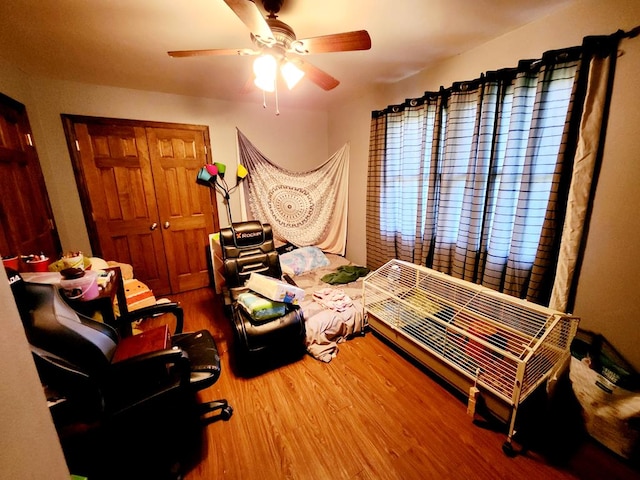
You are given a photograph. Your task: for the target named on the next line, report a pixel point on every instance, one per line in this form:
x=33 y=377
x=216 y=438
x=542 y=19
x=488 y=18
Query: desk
x=103 y=303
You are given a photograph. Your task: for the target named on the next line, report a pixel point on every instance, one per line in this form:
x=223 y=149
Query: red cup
x=11 y=262
x=38 y=265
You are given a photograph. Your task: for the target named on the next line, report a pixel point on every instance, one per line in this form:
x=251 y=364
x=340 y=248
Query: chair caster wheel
x=226 y=413
x=508 y=450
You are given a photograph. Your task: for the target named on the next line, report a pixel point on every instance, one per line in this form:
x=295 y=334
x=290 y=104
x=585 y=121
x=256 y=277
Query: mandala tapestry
x=304 y=208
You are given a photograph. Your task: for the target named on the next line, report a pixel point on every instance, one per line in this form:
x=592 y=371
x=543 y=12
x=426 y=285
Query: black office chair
x=248 y=247
x=118 y=417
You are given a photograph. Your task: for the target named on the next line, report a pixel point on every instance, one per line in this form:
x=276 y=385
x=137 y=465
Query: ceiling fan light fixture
x=265 y=84
x=265 y=69
x=272 y=35
x=291 y=73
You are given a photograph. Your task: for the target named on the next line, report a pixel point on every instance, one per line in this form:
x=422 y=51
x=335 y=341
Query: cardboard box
x=274 y=289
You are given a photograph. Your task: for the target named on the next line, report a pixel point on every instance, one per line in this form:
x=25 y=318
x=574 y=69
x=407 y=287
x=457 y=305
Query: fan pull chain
x=264 y=99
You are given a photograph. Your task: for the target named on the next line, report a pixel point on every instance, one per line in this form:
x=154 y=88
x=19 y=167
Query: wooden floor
x=368 y=414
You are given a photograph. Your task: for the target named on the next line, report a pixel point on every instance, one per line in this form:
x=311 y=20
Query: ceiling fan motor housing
x=283 y=34
x=272 y=6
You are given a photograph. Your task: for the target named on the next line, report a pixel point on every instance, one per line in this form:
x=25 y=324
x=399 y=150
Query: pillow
x=303 y=260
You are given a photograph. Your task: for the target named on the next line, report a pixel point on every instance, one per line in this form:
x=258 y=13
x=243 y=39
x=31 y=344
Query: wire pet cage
x=468 y=334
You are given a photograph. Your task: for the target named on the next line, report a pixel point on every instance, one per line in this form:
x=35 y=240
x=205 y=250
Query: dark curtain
x=476 y=180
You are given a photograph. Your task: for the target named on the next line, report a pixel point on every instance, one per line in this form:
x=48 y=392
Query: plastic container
x=35 y=264
x=12 y=262
x=79 y=284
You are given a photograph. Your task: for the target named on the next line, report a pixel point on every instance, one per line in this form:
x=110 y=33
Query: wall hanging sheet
x=304 y=208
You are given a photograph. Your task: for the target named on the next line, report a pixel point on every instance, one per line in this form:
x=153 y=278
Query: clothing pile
x=332 y=318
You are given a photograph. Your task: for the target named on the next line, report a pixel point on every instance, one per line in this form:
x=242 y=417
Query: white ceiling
x=124 y=43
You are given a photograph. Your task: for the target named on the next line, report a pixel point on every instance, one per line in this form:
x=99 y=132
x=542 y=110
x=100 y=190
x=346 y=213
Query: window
x=472 y=180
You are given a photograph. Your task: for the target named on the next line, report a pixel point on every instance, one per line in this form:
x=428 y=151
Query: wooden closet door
x=185 y=208
x=141 y=202
x=117 y=176
x=25 y=212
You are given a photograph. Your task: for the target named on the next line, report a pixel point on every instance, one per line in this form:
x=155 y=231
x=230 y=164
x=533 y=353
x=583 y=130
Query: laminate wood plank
x=369 y=414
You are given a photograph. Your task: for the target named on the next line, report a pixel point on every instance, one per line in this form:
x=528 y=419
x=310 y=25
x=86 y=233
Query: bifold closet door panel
x=123 y=207
x=141 y=203
x=185 y=208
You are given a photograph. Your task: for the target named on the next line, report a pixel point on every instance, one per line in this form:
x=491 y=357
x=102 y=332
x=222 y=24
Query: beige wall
x=29 y=445
x=607 y=298
x=351 y=123
x=265 y=129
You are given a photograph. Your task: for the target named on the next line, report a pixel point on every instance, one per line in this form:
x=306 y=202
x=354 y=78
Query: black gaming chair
x=144 y=403
x=248 y=247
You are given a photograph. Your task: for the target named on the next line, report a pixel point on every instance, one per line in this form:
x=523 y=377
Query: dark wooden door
x=184 y=207
x=25 y=212
x=141 y=204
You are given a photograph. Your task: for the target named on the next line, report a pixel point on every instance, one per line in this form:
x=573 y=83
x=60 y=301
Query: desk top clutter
x=83 y=279
x=78 y=284
x=26 y=263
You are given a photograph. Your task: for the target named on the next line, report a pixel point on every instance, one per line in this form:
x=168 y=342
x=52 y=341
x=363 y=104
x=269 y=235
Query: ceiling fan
x=276 y=46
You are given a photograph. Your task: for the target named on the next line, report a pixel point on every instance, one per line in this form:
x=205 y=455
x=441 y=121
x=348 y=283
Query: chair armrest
x=155 y=310
x=142 y=378
x=170 y=357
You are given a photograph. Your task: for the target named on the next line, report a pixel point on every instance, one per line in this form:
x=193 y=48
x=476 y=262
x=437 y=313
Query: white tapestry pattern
x=304 y=208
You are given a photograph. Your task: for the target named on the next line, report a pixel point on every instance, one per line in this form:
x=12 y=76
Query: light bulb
x=265 y=68
x=291 y=74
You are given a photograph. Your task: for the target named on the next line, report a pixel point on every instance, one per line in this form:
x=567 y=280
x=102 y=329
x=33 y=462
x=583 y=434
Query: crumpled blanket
x=345 y=274
x=334 y=299
x=331 y=318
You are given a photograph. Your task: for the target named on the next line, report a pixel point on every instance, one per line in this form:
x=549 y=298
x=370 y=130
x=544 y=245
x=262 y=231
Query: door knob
x=166 y=225
x=153 y=226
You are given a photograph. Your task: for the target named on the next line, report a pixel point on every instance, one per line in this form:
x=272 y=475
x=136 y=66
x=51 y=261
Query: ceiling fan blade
x=215 y=51
x=317 y=76
x=338 y=42
x=248 y=12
